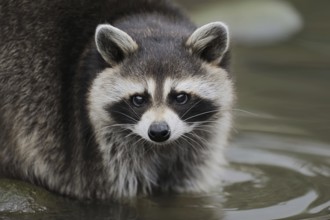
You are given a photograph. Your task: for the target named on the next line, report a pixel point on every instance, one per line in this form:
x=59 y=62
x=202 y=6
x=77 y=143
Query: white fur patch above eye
x=111 y=87
x=168 y=85
x=204 y=88
x=152 y=87
x=214 y=85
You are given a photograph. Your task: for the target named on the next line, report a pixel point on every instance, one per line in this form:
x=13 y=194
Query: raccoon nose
x=159 y=131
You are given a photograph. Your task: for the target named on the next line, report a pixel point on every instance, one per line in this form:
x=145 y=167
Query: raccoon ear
x=210 y=42
x=113 y=44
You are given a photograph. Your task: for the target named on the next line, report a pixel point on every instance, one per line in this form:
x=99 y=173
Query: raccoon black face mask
x=115 y=110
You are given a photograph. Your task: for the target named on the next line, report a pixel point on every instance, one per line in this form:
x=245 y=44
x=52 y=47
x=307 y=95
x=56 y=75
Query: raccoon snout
x=159 y=131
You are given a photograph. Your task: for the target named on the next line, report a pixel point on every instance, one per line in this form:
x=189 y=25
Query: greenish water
x=280 y=150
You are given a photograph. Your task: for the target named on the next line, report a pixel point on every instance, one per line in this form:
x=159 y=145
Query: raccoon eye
x=182 y=98
x=138 y=100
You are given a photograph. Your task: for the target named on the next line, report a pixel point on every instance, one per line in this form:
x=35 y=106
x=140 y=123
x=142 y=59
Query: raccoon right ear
x=113 y=44
x=210 y=42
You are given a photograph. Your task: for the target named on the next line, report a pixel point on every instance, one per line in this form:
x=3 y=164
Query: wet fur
x=48 y=65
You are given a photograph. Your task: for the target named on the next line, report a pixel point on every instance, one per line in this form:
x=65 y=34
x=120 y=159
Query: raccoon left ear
x=210 y=42
x=113 y=44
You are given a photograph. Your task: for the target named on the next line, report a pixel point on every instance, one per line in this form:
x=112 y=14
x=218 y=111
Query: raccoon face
x=158 y=92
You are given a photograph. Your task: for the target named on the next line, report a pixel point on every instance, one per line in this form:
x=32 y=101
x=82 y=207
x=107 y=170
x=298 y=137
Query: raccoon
x=110 y=99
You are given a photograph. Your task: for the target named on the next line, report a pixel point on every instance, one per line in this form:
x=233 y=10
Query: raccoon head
x=159 y=88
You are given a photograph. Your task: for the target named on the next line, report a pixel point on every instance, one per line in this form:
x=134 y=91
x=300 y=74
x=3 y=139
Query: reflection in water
x=282 y=210
x=161 y=208
x=290 y=183
x=182 y=207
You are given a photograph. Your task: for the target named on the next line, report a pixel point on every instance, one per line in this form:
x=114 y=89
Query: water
x=283 y=144
x=280 y=149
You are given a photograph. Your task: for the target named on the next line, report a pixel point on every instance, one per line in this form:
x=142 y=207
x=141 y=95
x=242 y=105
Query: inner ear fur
x=210 y=42
x=113 y=44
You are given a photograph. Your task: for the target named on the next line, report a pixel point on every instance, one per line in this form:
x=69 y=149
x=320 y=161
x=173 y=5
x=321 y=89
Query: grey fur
x=106 y=35
x=215 y=33
x=49 y=67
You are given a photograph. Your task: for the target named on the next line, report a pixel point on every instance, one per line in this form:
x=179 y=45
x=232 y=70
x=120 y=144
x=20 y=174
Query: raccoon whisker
x=135 y=120
x=106 y=128
x=141 y=139
x=128 y=135
x=204 y=130
x=243 y=111
x=178 y=144
x=119 y=125
x=192 y=145
x=201 y=139
x=92 y=134
x=90 y=138
x=179 y=141
x=204 y=122
x=103 y=131
x=203 y=113
x=131 y=108
x=190 y=108
x=146 y=148
x=186 y=136
x=208 y=129
x=125 y=129
x=235 y=130
x=143 y=151
x=201 y=125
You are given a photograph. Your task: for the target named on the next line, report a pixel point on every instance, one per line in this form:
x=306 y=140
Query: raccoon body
x=112 y=99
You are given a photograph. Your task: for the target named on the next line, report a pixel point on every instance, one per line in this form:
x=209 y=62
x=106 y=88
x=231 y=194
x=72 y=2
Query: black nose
x=159 y=131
